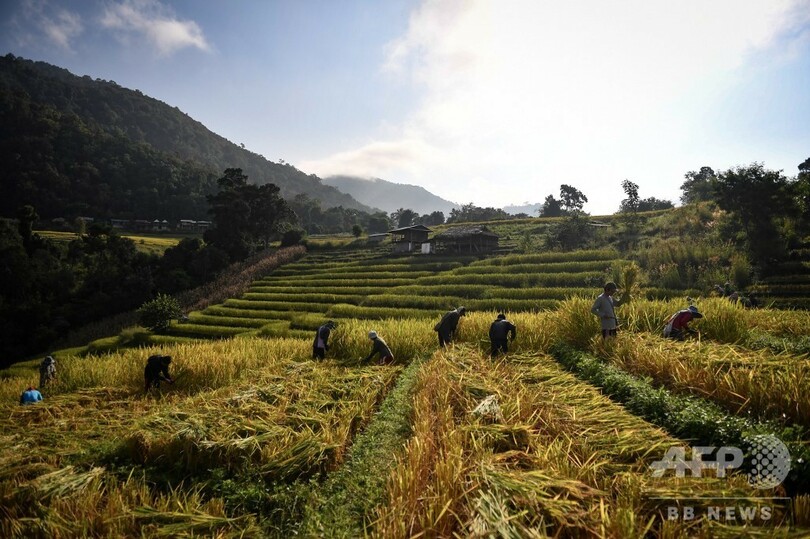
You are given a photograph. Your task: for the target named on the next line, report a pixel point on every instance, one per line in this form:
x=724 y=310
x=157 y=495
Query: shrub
x=158 y=313
x=292 y=237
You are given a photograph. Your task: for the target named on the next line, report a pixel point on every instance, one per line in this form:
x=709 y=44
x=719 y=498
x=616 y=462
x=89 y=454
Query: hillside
x=123 y=112
x=390 y=196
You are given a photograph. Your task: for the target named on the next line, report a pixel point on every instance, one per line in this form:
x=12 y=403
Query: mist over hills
x=121 y=113
x=390 y=196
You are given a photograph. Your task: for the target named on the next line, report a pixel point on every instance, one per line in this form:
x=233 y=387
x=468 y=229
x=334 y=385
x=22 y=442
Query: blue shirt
x=30 y=396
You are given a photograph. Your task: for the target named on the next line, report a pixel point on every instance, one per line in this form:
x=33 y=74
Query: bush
x=157 y=314
x=292 y=237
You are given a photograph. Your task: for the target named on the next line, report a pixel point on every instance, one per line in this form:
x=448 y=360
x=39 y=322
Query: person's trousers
x=499 y=345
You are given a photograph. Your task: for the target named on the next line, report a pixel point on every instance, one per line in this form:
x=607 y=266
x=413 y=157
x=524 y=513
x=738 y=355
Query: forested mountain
x=153 y=126
x=390 y=196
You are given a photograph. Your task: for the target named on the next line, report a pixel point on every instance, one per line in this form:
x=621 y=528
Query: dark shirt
x=449 y=322
x=156 y=369
x=323 y=332
x=499 y=330
x=378 y=346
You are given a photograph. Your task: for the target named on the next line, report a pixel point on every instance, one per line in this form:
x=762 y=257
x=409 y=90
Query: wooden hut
x=466 y=239
x=409 y=238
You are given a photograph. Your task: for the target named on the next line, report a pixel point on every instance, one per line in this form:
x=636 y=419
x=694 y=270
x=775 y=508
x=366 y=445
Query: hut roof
x=459 y=232
x=416 y=228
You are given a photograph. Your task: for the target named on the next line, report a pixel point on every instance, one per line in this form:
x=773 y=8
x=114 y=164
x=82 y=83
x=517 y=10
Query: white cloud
x=38 y=17
x=155 y=22
x=521 y=96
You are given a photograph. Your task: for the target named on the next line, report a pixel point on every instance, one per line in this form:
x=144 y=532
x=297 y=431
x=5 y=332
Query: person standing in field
x=500 y=329
x=446 y=328
x=157 y=370
x=678 y=324
x=30 y=396
x=47 y=371
x=378 y=346
x=321 y=343
x=605 y=308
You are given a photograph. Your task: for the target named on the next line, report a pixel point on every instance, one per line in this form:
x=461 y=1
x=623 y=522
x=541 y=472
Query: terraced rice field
x=555 y=439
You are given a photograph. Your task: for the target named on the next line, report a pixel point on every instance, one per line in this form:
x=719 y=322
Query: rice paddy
x=254 y=438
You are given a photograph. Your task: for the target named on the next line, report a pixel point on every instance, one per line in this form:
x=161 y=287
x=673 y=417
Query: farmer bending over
x=47 y=371
x=157 y=369
x=498 y=332
x=321 y=343
x=378 y=346
x=678 y=324
x=30 y=396
x=446 y=328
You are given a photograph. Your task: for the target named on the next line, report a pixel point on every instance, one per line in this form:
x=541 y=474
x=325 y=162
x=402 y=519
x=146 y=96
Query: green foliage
x=758 y=198
x=157 y=314
x=292 y=236
x=698 y=186
x=572 y=233
x=470 y=213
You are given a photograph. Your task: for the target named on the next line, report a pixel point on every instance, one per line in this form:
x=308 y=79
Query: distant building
x=409 y=238
x=465 y=239
x=377 y=238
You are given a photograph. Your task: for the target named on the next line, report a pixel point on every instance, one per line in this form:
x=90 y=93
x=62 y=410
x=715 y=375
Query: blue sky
x=478 y=101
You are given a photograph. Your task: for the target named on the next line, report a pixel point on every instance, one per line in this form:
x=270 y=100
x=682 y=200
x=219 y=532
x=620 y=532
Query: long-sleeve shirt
x=30 y=396
x=322 y=337
x=604 y=308
x=500 y=329
x=449 y=322
x=378 y=346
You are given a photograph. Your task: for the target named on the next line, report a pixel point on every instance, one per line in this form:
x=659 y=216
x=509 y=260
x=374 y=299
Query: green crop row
x=277 y=305
x=359 y=274
x=320 y=269
x=516 y=281
x=319 y=285
x=606 y=255
x=342 y=310
x=444 y=303
x=205 y=331
x=543 y=267
x=230 y=321
x=342 y=291
x=294 y=298
x=462 y=290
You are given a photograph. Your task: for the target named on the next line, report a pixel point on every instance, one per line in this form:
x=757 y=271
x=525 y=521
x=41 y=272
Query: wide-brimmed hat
x=372 y=334
x=695 y=312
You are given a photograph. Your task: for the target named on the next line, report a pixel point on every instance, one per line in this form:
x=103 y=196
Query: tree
x=631 y=203
x=156 y=315
x=551 y=207
x=357 y=231
x=404 y=217
x=26 y=218
x=652 y=204
x=245 y=216
x=699 y=186
x=572 y=199
x=756 y=198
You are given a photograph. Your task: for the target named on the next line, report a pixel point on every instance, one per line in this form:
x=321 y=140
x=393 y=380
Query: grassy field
x=146 y=243
x=556 y=439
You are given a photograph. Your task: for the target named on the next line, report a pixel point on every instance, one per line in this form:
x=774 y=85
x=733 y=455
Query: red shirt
x=681 y=319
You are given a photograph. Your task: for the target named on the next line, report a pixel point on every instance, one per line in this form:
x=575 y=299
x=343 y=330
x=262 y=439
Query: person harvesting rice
x=605 y=308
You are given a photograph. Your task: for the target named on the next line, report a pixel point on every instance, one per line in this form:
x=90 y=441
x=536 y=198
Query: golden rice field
x=255 y=439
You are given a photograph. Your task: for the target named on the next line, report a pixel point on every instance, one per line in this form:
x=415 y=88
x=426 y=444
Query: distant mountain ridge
x=390 y=196
x=527 y=208
x=143 y=119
